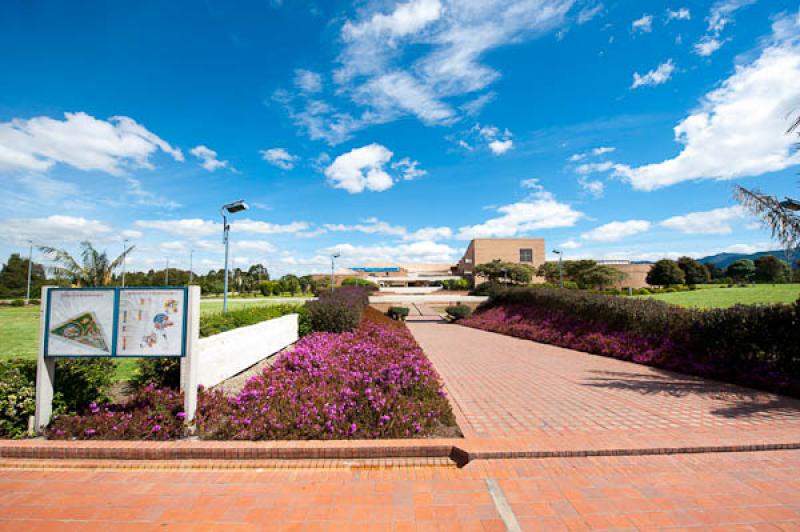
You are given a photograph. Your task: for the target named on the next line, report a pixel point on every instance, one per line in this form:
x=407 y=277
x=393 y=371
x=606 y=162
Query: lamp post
x=191 y=253
x=124 y=258
x=30 y=268
x=230 y=208
x=560 y=269
x=166 y=274
x=333 y=276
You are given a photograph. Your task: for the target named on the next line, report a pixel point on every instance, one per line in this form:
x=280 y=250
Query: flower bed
x=373 y=382
x=757 y=345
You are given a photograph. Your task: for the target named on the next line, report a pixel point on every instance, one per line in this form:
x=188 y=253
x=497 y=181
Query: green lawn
x=726 y=297
x=19 y=329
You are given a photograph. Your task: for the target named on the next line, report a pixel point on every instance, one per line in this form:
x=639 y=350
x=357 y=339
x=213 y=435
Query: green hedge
x=339 y=310
x=458 y=312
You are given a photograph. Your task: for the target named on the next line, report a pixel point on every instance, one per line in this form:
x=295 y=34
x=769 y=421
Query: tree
x=771 y=269
x=714 y=271
x=665 y=272
x=694 y=271
x=742 y=270
x=574 y=268
x=14 y=277
x=94 y=268
x=549 y=270
x=601 y=276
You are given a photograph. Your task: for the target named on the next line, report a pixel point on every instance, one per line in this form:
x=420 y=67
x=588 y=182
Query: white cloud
x=571 y=244
x=80 y=141
x=593 y=168
x=407 y=18
x=147 y=197
x=172 y=247
x=425 y=251
x=588 y=13
x=496 y=140
x=208 y=158
x=657 y=76
x=430 y=233
x=279 y=157
x=602 y=150
x=595 y=188
x=363 y=169
x=267 y=228
x=369 y=226
x=131 y=234
x=707 y=46
x=52 y=230
x=595 y=152
x=720 y=15
x=739 y=128
x=307 y=81
x=678 y=14
x=614 y=231
x=539 y=211
x=189 y=227
x=643 y=24
x=499 y=147
x=713 y=222
x=253 y=245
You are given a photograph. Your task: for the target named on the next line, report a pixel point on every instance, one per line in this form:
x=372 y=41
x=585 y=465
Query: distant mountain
x=723 y=260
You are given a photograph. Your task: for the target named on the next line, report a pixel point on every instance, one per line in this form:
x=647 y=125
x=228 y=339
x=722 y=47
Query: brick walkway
x=504 y=387
x=731 y=490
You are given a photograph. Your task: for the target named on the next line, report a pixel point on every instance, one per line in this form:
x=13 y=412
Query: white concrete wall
x=224 y=355
x=410 y=289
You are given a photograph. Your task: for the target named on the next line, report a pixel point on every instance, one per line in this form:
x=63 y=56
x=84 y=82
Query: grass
x=19 y=330
x=720 y=296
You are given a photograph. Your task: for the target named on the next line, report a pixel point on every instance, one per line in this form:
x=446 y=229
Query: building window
x=526 y=255
x=468 y=261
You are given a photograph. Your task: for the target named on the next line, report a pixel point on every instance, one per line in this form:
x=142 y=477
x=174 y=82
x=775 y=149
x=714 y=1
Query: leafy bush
x=355 y=281
x=488 y=288
x=337 y=311
x=455 y=284
x=164 y=372
x=755 y=345
x=151 y=414
x=374 y=382
x=78 y=384
x=18 y=303
x=458 y=312
x=398 y=313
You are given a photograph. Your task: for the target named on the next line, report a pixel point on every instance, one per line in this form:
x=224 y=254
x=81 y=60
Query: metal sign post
x=117 y=322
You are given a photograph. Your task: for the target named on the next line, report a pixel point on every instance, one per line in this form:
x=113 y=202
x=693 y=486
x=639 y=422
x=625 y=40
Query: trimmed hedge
x=339 y=310
x=458 y=312
x=754 y=345
x=398 y=313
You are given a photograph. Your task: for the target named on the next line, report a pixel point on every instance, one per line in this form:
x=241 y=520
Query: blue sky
x=394 y=131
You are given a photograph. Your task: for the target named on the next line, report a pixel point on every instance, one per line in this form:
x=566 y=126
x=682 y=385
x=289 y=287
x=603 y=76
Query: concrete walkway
x=514 y=389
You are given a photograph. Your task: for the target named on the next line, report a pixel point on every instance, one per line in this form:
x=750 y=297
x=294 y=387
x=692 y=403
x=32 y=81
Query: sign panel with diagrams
x=151 y=322
x=80 y=322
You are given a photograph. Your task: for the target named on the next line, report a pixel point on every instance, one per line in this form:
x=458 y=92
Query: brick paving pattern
x=747 y=491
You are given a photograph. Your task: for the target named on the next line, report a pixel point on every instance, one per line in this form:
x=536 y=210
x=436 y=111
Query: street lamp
x=124 y=258
x=560 y=270
x=230 y=208
x=166 y=274
x=30 y=267
x=191 y=252
x=333 y=276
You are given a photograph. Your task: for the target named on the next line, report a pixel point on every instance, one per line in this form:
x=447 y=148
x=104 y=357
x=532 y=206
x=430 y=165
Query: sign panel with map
x=80 y=322
x=151 y=322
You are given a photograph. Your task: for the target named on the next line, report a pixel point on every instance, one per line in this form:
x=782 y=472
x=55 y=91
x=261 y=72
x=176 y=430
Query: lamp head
x=336 y=255
x=236 y=206
x=557 y=252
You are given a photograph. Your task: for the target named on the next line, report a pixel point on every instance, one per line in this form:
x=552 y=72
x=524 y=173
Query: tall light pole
x=30 y=268
x=166 y=274
x=124 y=258
x=333 y=275
x=230 y=208
x=560 y=269
x=191 y=255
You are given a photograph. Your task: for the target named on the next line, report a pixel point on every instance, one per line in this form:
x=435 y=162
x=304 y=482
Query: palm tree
x=94 y=268
x=780 y=216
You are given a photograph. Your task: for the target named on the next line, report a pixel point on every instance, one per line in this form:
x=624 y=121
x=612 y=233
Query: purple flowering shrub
x=150 y=414
x=373 y=382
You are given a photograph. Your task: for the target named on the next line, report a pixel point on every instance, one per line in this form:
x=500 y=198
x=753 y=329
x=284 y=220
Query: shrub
x=374 y=382
x=164 y=372
x=755 y=345
x=398 y=313
x=355 y=281
x=488 y=288
x=337 y=311
x=151 y=414
x=78 y=384
x=458 y=312
x=18 y=303
x=455 y=284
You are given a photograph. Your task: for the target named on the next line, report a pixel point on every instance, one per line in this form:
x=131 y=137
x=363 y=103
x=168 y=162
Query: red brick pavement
x=746 y=491
x=504 y=387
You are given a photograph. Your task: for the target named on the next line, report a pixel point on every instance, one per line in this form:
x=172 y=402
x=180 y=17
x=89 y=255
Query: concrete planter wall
x=410 y=289
x=224 y=355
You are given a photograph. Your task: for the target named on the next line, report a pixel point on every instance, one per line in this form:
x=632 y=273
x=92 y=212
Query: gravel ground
x=235 y=384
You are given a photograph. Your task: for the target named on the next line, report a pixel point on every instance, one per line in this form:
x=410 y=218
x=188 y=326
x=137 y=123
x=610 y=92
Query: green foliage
x=355 y=281
x=665 y=273
x=164 y=372
x=694 y=272
x=79 y=382
x=92 y=268
x=770 y=269
x=14 y=277
x=550 y=272
x=506 y=272
x=487 y=289
x=455 y=284
x=742 y=270
x=458 y=312
x=398 y=313
x=714 y=271
x=18 y=303
x=599 y=276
